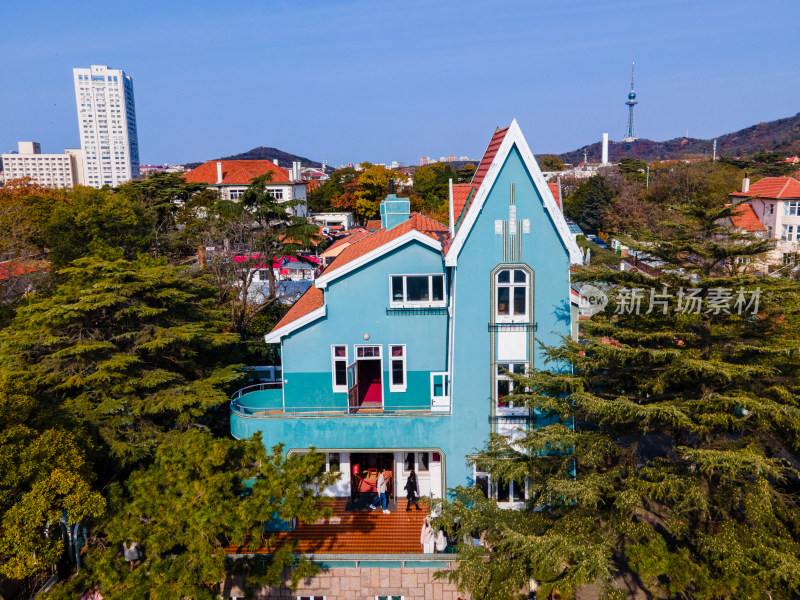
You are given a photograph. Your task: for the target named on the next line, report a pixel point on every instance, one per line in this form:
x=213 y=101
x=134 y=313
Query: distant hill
x=284 y=159
x=782 y=136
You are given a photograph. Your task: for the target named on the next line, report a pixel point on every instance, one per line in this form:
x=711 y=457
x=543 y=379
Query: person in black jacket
x=412 y=491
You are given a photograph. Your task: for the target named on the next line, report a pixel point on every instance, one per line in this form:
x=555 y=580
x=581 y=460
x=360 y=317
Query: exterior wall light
x=365 y=336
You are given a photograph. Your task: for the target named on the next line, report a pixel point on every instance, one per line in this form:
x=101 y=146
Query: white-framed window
x=397 y=368
x=276 y=193
x=339 y=368
x=368 y=351
x=236 y=194
x=417 y=290
x=791 y=209
x=502 y=492
x=789 y=232
x=504 y=384
x=511 y=295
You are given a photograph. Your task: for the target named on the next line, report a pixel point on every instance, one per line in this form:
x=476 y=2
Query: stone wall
x=366 y=583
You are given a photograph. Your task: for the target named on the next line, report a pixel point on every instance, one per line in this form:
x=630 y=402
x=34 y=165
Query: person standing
x=426 y=536
x=412 y=491
x=381 y=486
x=441 y=542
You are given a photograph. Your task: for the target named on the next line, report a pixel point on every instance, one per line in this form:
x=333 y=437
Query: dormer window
x=417 y=290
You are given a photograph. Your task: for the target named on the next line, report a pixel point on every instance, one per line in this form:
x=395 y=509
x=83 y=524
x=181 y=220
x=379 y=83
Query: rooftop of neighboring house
x=773 y=188
x=237 y=172
x=745 y=218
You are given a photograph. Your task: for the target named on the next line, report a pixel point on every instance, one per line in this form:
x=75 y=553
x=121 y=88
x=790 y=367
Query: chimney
x=296 y=169
x=604 y=161
x=394 y=210
x=219 y=173
x=745 y=183
x=275 y=162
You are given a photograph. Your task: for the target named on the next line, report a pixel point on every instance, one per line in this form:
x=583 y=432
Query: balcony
x=265 y=400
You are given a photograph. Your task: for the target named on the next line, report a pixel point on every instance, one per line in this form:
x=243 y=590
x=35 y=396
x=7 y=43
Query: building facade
x=232 y=178
x=107 y=123
x=400 y=354
x=775 y=202
x=50 y=170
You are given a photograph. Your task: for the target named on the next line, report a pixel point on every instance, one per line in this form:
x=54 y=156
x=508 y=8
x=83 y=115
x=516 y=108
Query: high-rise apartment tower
x=107 y=123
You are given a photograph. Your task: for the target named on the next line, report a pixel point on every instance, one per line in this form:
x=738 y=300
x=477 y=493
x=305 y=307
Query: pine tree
x=672 y=462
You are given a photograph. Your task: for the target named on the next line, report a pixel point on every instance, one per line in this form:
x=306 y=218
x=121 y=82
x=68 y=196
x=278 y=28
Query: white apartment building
x=107 y=123
x=50 y=170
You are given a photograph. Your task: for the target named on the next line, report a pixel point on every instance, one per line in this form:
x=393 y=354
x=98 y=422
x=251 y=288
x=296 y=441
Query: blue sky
x=381 y=81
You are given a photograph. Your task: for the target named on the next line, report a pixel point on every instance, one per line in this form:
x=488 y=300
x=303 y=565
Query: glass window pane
x=504 y=276
x=422 y=461
x=408 y=461
x=340 y=351
x=502 y=492
x=503 y=388
x=333 y=461
x=520 y=294
x=397 y=372
x=482 y=482
x=502 y=301
x=417 y=288
x=438 y=287
x=517 y=492
x=518 y=368
x=397 y=351
x=340 y=372
x=520 y=276
x=397 y=289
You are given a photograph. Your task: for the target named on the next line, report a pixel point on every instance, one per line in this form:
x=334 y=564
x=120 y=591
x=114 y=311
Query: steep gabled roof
x=237 y=172
x=310 y=301
x=488 y=157
x=555 y=189
x=744 y=217
x=774 y=188
x=500 y=146
x=310 y=306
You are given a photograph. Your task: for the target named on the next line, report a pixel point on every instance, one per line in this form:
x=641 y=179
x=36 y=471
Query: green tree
x=466 y=174
x=589 y=203
x=200 y=495
x=666 y=459
x=550 y=162
x=321 y=198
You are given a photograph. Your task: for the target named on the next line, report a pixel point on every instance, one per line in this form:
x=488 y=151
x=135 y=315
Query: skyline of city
x=422 y=76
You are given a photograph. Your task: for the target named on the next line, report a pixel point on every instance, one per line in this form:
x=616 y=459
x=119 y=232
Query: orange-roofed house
x=232 y=177
x=775 y=202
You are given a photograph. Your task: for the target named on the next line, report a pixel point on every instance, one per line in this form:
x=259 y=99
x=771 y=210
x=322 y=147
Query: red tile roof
x=237 y=172
x=353 y=532
x=488 y=157
x=463 y=193
x=421 y=223
x=744 y=217
x=307 y=303
x=373 y=224
x=777 y=188
x=554 y=187
x=351 y=238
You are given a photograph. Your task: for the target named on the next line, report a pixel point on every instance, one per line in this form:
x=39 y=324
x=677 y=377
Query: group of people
x=432 y=542
x=411 y=487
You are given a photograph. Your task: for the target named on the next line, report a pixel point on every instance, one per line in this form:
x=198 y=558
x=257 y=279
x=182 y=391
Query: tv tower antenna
x=630 y=134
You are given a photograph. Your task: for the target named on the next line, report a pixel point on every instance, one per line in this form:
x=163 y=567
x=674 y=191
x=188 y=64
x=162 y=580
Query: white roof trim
x=514 y=137
x=274 y=337
x=413 y=235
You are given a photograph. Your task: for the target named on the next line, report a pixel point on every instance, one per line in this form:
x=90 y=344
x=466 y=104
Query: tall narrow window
x=398 y=366
x=503 y=381
x=511 y=289
x=339 y=368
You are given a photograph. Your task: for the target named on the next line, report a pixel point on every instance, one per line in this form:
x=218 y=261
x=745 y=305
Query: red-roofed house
x=232 y=177
x=775 y=202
